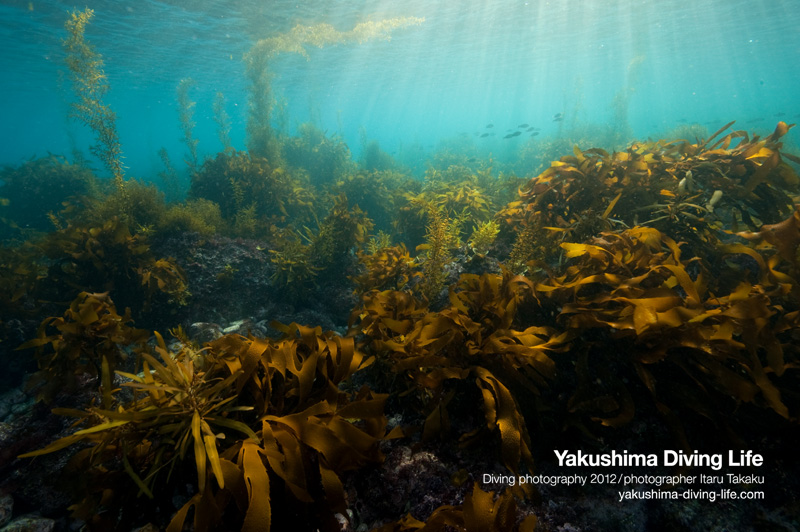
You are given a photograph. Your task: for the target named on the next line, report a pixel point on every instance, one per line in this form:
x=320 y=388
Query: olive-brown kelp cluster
x=655 y=283
x=614 y=299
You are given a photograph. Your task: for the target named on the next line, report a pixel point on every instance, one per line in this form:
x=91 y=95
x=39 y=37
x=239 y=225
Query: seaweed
x=88 y=340
x=472 y=339
x=142 y=204
x=260 y=420
x=715 y=351
x=36 y=190
x=480 y=512
x=261 y=139
x=325 y=159
x=379 y=194
x=185 y=116
x=295 y=272
x=342 y=231
x=238 y=181
x=169 y=178
x=689 y=191
x=90 y=85
x=223 y=121
x=200 y=216
x=108 y=258
x=483 y=236
x=441 y=237
x=387 y=268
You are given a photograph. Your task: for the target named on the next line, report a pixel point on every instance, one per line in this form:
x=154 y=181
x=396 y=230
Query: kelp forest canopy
x=566 y=303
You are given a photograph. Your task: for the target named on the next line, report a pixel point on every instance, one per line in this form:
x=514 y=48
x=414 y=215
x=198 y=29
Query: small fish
x=531 y=129
x=511 y=135
x=557 y=115
x=534 y=133
x=537 y=129
x=489 y=126
x=472 y=159
x=484 y=135
x=778 y=115
x=522 y=126
x=558 y=119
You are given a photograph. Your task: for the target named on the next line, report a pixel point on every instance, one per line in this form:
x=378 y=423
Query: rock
x=6 y=509
x=30 y=523
x=235 y=327
x=203 y=332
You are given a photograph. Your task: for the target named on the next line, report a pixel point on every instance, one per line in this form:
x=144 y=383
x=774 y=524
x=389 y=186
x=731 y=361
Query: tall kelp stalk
x=91 y=85
x=186 y=117
x=261 y=141
x=223 y=120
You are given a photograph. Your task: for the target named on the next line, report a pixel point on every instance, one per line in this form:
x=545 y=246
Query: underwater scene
x=363 y=265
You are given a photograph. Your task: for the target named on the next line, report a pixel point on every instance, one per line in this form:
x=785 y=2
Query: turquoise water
x=640 y=66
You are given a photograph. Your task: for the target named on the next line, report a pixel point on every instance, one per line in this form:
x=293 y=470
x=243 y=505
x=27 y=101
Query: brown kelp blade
x=720 y=130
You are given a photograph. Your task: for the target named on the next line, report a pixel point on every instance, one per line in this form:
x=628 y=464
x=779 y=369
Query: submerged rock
x=6 y=509
x=30 y=523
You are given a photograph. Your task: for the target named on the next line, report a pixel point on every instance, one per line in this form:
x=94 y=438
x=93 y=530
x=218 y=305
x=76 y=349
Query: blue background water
x=470 y=63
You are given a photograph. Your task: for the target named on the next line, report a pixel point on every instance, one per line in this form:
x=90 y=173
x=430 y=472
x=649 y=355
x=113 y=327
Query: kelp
x=458 y=193
x=108 y=258
x=342 y=231
x=380 y=194
x=483 y=236
x=783 y=236
x=21 y=272
x=261 y=420
x=295 y=272
x=481 y=512
x=186 y=119
x=692 y=350
x=34 y=192
x=237 y=181
x=326 y=159
x=685 y=190
x=307 y=428
x=89 y=339
x=302 y=259
x=91 y=85
x=618 y=314
x=387 y=268
x=261 y=140
x=473 y=340
x=441 y=237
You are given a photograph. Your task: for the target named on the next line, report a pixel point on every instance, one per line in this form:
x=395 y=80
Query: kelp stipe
x=90 y=85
